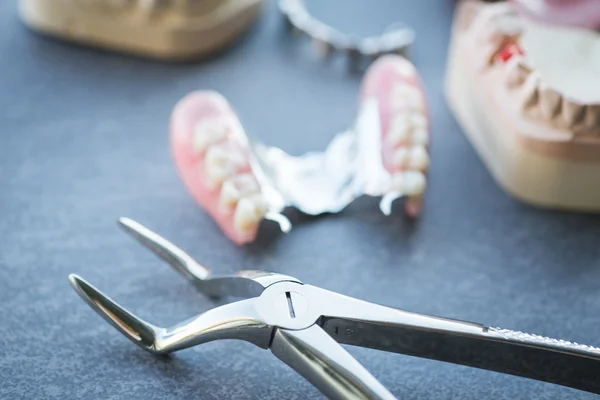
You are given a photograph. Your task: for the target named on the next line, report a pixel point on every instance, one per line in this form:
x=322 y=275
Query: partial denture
x=212 y=155
x=405 y=126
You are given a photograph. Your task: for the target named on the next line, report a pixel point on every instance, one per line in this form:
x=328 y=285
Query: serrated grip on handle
x=495 y=349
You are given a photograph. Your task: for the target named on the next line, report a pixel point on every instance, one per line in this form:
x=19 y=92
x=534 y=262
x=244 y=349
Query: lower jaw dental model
x=240 y=182
x=528 y=97
x=164 y=29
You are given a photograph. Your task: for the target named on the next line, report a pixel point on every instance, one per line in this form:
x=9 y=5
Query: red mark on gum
x=509 y=51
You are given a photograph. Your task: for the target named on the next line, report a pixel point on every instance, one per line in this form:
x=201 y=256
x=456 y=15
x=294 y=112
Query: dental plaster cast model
x=528 y=97
x=241 y=182
x=164 y=29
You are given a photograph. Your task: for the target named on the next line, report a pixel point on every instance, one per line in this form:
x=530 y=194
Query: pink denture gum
x=404 y=123
x=215 y=161
x=211 y=153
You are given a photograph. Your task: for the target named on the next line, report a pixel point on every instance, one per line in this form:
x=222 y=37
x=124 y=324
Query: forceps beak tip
x=134 y=328
x=126 y=223
x=78 y=283
x=84 y=289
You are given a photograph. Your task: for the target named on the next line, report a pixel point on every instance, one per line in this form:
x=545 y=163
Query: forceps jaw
x=328 y=366
x=242 y=284
x=237 y=320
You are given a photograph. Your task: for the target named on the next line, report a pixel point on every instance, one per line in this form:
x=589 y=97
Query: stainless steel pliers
x=303 y=326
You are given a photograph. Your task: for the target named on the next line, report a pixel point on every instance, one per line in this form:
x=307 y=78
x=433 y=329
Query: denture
x=165 y=29
x=528 y=98
x=241 y=182
x=404 y=120
x=212 y=155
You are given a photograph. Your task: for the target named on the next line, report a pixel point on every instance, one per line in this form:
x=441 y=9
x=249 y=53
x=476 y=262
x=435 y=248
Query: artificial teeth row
x=547 y=104
x=499 y=30
x=408 y=138
x=227 y=170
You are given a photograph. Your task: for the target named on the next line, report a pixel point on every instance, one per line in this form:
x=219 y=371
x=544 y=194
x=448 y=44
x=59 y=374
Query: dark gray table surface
x=85 y=140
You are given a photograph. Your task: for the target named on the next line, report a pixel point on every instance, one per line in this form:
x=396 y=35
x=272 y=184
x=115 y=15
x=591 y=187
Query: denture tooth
x=418 y=120
x=260 y=203
x=573 y=113
x=408 y=127
x=217 y=174
x=226 y=154
x=409 y=183
x=221 y=162
x=400 y=158
x=248 y=215
x=235 y=188
x=550 y=102
x=229 y=196
x=419 y=137
x=246 y=184
x=418 y=158
x=405 y=69
x=400 y=130
x=217 y=155
x=406 y=96
x=207 y=133
x=516 y=73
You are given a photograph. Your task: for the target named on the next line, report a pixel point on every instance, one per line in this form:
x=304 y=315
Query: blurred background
x=85 y=140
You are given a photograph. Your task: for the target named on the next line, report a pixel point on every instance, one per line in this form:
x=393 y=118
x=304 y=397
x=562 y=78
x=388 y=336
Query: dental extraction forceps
x=303 y=326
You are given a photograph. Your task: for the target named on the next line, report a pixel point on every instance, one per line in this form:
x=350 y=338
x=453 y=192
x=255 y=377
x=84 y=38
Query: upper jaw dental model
x=164 y=29
x=528 y=97
x=240 y=182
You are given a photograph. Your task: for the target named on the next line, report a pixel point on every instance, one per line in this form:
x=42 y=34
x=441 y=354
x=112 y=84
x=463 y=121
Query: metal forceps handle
x=475 y=345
